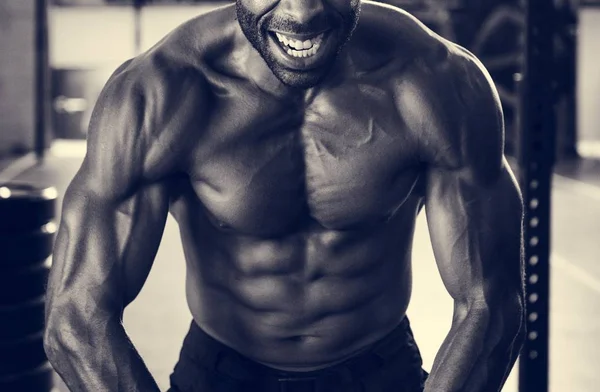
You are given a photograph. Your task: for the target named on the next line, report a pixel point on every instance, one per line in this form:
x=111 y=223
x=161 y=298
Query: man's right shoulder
x=153 y=106
x=174 y=68
x=143 y=93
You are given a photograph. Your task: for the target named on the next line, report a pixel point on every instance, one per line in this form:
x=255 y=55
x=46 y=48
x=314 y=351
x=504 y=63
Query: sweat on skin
x=295 y=179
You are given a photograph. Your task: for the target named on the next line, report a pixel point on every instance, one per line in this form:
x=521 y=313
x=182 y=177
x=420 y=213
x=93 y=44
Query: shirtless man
x=295 y=147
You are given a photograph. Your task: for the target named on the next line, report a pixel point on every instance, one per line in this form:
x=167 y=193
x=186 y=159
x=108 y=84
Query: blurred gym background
x=56 y=55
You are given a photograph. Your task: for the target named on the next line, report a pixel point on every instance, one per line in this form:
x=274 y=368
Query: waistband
x=397 y=349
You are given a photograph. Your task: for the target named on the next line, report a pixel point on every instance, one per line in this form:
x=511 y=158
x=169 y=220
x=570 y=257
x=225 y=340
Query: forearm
x=478 y=352
x=96 y=355
x=85 y=340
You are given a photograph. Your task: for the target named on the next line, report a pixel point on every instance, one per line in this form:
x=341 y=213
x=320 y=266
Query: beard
x=255 y=28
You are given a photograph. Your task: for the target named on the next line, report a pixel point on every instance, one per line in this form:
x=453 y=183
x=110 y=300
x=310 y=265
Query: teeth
x=296 y=48
x=303 y=53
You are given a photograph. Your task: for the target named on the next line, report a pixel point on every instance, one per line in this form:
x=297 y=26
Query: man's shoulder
x=389 y=17
x=171 y=71
x=149 y=87
x=192 y=41
x=443 y=92
x=158 y=93
x=177 y=60
x=442 y=74
x=391 y=30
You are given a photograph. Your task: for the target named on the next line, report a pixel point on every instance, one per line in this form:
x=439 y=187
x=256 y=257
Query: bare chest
x=342 y=160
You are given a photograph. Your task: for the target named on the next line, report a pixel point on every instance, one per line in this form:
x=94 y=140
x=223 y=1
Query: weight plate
x=18 y=249
x=23 y=285
x=19 y=356
x=40 y=379
x=25 y=206
x=21 y=320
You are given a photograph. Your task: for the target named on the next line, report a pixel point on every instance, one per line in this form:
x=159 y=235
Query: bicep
x=473 y=204
x=105 y=247
x=475 y=231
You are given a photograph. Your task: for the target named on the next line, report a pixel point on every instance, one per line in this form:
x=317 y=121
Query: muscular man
x=295 y=146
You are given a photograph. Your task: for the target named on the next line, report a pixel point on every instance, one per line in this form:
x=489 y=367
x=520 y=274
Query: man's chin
x=299 y=75
x=298 y=79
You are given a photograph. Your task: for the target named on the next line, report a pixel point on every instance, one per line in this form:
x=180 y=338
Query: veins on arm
x=102 y=256
x=474 y=213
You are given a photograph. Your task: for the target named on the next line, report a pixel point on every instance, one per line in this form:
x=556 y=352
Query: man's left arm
x=474 y=212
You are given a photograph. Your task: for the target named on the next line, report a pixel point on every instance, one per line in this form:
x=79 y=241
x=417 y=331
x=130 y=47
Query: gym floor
x=158 y=319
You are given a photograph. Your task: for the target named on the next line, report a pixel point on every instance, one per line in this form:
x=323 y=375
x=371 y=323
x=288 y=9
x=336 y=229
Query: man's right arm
x=113 y=217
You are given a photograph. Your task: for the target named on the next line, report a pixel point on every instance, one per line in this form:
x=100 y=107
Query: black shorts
x=391 y=365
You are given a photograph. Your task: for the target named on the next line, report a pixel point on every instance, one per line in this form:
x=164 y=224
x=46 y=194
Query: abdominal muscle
x=303 y=312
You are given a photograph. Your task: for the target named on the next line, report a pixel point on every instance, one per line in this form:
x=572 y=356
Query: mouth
x=299 y=48
x=300 y=51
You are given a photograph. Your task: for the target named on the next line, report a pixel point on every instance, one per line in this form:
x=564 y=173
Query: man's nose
x=302 y=11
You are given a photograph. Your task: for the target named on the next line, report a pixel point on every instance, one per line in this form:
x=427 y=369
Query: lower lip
x=300 y=63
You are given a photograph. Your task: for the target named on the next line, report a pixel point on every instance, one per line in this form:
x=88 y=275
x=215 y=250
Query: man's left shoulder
x=451 y=74
x=392 y=30
x=448 y=100
x=469 y=78
x=423 y=60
